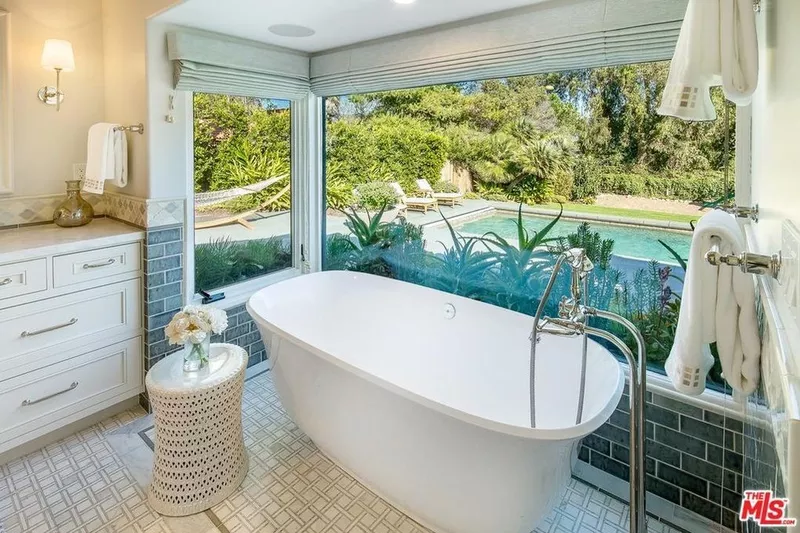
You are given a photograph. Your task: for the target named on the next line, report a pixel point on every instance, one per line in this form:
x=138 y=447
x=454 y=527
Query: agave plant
x=520 y=266
x=369 y=232
x=461 y=269
x=377 y=247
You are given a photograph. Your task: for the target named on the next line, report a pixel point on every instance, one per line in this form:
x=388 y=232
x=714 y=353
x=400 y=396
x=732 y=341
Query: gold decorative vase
x=74 y=211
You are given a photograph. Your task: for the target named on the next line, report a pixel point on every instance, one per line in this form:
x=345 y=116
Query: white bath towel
x=717 y=46
x=718 y=305
x=106 y=158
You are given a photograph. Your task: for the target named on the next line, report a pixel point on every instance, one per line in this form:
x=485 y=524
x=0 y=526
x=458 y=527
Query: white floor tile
x=96 y=481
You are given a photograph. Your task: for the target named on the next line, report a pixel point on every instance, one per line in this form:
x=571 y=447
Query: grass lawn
x=621 y=212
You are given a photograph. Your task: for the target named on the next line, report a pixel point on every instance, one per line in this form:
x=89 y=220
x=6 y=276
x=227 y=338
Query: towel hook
x=743 y=212
x=760 y=265
x=136 y=128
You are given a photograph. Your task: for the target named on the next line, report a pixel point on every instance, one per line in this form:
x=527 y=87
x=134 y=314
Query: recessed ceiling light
x=291 y=30
x=404 y=1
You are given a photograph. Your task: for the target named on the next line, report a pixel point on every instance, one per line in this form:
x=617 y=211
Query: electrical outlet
x=79 y=171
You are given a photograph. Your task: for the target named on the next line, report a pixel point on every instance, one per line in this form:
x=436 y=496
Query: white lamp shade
x=57 y=54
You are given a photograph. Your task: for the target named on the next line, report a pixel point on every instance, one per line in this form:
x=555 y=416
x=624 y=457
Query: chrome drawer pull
x=47 y=330
x=6 y=281
x=43 y=398
x=110 y=262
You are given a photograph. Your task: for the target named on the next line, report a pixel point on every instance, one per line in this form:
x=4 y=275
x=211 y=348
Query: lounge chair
x=446 y=198
x=415 y=204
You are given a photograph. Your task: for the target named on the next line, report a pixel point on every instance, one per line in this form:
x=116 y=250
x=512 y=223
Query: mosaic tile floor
x=96 y=481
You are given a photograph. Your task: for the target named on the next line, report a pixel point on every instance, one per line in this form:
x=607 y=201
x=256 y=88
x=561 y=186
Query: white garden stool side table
x=199 y=450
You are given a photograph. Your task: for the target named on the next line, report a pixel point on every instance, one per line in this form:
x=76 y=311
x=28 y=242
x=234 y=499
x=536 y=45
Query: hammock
x=205 y=199
x=241 y=218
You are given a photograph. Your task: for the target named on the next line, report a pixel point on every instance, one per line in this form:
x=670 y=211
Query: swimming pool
x=629 y=241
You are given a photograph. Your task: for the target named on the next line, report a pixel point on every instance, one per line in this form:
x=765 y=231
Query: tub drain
x=449 y=311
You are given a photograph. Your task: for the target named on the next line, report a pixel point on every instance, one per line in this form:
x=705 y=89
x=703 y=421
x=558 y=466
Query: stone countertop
x=38 y=241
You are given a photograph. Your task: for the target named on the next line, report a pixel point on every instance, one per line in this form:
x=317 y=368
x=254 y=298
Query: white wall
x=126 y=81
x=776 y=121
x=170 y=143
x=47 y=143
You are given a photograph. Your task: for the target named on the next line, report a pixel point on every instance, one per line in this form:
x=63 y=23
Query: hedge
x=592 y=178
x=387 y=148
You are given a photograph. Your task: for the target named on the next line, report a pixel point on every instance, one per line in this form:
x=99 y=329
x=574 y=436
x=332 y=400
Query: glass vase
x=74 y=211
x=195 y=356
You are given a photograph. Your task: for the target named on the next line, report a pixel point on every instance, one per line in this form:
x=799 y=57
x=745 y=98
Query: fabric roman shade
x=551 y=36
x=211 y=63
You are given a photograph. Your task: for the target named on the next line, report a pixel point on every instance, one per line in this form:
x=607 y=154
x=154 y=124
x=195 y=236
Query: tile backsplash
x=23 y=210
x=694 y=455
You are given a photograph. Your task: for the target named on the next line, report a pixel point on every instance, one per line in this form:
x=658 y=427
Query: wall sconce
x=57 y=55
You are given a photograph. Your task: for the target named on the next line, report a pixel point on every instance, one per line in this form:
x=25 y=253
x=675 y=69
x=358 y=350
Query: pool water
x=629 y=241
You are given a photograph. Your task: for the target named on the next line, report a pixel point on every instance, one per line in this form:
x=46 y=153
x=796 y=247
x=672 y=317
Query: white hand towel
x=717 y=46
x=106 y=158
x=718 y=305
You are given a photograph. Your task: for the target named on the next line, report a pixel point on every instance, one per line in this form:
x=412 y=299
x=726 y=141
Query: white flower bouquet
x=193 y=327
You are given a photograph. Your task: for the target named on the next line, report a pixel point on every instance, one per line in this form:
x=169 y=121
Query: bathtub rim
x=558 y=434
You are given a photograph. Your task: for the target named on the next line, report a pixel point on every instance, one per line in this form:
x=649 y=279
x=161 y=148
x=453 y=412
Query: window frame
x=306 y=155
x=659 y=382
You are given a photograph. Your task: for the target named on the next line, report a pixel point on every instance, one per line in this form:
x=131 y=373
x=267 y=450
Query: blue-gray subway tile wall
x=163 y=252
x=243 y=332
x=694 y=456
x=163 y=293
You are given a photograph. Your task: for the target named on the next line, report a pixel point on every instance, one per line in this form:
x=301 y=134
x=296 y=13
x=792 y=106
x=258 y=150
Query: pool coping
x=483 y=212
x=678 y=227
x=683 y=227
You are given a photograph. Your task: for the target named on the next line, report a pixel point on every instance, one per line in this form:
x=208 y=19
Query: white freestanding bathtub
x=424 y=396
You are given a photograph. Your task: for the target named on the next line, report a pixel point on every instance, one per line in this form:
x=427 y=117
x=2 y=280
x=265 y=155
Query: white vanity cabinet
x=70 y=325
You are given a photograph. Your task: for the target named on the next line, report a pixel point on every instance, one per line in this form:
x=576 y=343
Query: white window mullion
x=315 y=193
x=307 y=182
x=189 y=294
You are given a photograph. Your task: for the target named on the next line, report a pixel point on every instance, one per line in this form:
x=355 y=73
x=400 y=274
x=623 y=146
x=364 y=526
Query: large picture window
x=242 y=189
x=472 y=189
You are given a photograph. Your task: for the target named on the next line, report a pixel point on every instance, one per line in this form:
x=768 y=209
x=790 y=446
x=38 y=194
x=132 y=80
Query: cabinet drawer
x=79 y=267
x=32 y=401
x=25 y=277
x=49 y=326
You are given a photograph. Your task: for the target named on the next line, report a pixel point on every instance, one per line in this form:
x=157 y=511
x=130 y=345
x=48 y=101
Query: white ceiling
x=336 y=22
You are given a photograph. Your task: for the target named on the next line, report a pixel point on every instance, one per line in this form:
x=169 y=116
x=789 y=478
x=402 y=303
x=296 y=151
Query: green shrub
x=562 y=185
x=532 y=191
x=492 y=193
x=598 y=250
x=375 y=195
x=584 y=178
x=224 y=262
x=240 y=141
x=445 y=186
x=592 y=178
x=387 y=148
x=339 y=193
x=350 y=146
